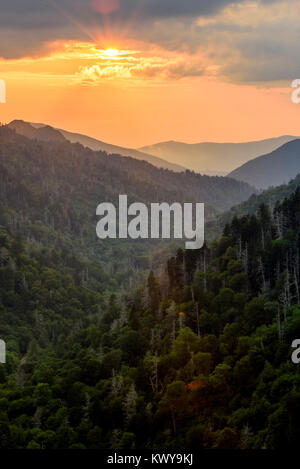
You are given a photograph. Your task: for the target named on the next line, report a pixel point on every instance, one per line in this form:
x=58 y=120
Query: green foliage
x=197 y=357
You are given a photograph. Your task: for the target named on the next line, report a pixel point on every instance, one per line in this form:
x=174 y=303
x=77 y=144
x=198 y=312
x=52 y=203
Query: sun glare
x=111 y=53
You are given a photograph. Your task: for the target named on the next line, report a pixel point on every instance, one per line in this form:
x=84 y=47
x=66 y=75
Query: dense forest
x=199 y=357
x=118 y=333
x=194 y=354
x=49 y=192
x=269 y=197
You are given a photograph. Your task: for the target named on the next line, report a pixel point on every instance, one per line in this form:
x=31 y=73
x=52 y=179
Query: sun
x=111 y=53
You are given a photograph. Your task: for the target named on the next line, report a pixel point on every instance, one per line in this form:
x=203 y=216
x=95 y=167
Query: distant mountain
x=272 y=169
x=45 y=132
x=53 y=202
x=214 y=158
x=127 y=175
x=97 y=145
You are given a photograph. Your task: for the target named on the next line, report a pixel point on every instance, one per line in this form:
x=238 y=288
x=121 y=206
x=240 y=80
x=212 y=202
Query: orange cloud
x=88 y=63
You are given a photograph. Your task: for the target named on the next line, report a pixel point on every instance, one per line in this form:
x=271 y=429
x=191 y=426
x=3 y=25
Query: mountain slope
x=44 y=133
x=41 y=131
x=49 y=192
x=272 y=169
x=197 y=353
x=236 y=307
x=216 y=158
x=269 y=197
x=97 y=145
x=130 y=175
x=210 y=341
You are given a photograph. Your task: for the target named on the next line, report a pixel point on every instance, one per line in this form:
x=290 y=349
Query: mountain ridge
x=22 y=127
x=214 y=157
x=271 y=169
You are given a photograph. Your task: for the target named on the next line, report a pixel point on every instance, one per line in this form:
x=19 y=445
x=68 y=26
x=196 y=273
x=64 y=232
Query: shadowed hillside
x=272 y=169
x=45 y=132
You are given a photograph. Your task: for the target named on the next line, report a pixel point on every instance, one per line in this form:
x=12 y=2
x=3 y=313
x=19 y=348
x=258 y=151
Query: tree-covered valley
x=114 y=344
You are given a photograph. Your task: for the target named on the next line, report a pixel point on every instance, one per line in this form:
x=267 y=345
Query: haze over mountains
x=132 y=176
x=46 y=132
x=272 y=169
x=75 y=308
x=278 y=159
x=214 y=158
x=50 y=189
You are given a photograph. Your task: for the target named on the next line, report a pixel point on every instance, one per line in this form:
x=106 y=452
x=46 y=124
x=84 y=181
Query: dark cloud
x=174 y=8
x=40 y=13
x=262 y=50
x=27 y=24
x=265 y=58
x=243 y=52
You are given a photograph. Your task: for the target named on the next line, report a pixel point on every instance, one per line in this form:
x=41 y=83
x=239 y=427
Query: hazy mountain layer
x=45 y=132
x=272 y=169
x=214 y=158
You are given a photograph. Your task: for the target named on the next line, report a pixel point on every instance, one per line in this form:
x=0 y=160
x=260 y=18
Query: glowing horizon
x=135 y=77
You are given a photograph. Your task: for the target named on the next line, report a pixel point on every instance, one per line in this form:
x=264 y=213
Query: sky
x=137 y=72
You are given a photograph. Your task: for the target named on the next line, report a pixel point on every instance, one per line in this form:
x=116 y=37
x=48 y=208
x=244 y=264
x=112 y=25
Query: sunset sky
x=135 y=72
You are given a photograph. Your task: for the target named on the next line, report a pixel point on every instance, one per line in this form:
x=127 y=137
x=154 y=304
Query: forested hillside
x=269 y=197
x=118 y=333
x=46 y=132
x=49 y=192
x=197 y=358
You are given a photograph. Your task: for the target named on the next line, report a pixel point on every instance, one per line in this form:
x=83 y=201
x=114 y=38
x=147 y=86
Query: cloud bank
x=246 y=41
